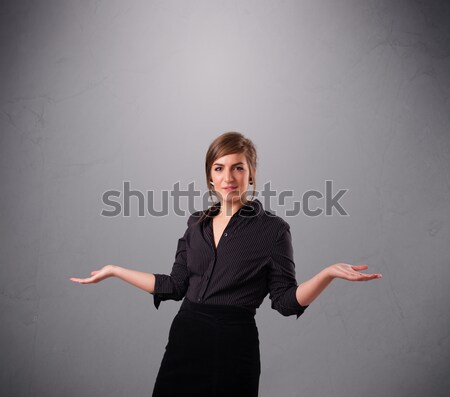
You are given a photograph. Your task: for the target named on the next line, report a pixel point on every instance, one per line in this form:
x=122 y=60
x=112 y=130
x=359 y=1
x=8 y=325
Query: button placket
x=211 y=265
x=215 y=250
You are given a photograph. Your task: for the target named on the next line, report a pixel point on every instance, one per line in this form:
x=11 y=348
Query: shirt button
x=198 y=299
x=225 y=234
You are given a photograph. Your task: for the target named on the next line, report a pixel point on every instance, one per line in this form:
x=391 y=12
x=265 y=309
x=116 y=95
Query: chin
x=230 y=196
x=235 y=198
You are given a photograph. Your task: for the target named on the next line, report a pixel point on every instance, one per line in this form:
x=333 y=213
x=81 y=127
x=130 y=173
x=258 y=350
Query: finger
x=75 y=279
x=360 y=267
x=372 y=275
x=353 y=269
x=366 y=277
x=83 y=280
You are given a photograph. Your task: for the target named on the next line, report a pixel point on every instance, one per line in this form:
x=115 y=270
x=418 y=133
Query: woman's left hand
x=351 y=272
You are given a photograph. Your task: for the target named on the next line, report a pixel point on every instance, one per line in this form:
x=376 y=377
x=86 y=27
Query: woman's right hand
x=97 y=275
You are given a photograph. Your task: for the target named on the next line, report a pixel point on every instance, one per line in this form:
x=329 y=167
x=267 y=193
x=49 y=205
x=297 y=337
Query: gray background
x=94 y=93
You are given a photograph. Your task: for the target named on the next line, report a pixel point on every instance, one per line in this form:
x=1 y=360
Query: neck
x=228 y=209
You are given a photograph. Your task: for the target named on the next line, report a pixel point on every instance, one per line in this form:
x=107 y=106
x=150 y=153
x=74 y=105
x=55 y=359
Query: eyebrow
x=231 y=165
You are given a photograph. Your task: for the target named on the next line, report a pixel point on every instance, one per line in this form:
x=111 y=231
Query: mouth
x=230 y=188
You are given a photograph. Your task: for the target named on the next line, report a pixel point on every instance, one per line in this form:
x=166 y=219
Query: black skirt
x=213 y=350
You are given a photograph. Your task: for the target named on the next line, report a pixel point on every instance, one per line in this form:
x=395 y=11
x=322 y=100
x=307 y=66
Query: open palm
x=97 y=275
x=352 y=272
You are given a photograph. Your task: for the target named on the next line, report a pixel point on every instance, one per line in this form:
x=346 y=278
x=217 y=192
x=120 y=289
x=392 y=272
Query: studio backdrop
x=100 y=100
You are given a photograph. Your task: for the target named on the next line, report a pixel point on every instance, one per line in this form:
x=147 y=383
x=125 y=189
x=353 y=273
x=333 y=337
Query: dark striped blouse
x=254 y=257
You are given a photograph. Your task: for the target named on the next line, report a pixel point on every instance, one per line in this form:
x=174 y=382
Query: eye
x=237 y=167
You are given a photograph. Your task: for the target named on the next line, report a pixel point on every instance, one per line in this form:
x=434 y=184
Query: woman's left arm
x=311 y=289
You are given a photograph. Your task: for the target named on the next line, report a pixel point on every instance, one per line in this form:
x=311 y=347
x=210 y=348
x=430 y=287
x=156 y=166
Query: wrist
x=328 y=273
x=115 y=270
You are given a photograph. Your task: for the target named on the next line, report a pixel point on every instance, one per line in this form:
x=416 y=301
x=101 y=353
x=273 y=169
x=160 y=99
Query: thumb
x=360 y=267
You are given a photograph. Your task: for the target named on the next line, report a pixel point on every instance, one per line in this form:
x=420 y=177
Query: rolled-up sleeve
x=282 y=282
x=173 y=286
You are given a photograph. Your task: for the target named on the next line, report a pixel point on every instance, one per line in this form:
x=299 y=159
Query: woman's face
x=230 y=175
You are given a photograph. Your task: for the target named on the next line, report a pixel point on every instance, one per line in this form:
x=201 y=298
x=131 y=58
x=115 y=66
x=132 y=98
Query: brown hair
x=230 y=143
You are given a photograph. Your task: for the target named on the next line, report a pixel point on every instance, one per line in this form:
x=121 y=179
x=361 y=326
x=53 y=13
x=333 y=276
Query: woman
x=231 y=256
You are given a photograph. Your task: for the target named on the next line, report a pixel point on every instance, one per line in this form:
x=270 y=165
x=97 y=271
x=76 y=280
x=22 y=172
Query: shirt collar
x=250 y=209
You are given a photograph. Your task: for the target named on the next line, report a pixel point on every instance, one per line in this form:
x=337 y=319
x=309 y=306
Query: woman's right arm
x=162 y=286
x=142 y=280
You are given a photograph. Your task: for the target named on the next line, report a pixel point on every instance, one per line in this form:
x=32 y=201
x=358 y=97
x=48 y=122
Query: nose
x=228 y=176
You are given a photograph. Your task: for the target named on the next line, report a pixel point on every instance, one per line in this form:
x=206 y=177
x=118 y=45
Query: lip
x=228 y=188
